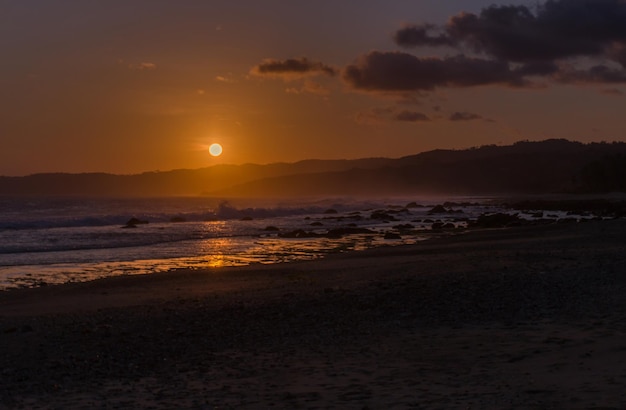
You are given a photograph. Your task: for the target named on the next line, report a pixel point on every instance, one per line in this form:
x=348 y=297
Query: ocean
x=47 y=241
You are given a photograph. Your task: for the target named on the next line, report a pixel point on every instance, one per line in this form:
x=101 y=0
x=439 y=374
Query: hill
x=551 y=166
x=525 y=167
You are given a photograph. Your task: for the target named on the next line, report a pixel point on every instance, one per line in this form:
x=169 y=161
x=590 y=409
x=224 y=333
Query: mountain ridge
x=549 y=166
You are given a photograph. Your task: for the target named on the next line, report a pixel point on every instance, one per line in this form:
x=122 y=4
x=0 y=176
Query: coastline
x=527 y=317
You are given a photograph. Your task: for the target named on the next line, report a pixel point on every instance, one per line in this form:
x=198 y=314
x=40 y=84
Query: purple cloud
x=553 y=30
x=292 y=67
x=411 y=116
x=398 y=72
x=465 y=116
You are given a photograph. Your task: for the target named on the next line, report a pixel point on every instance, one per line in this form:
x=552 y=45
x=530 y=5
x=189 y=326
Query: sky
x=128 y=86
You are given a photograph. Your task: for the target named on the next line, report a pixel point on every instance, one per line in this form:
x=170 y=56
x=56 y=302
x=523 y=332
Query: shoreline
x=527 y=317
x=135 y=289
x=78 y=257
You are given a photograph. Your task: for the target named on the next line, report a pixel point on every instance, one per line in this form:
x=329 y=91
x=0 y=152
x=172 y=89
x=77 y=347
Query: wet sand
x=526 y=318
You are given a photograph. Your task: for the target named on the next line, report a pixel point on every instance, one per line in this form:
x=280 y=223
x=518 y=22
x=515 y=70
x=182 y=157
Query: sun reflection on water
x=216 y=261
x=202 y=253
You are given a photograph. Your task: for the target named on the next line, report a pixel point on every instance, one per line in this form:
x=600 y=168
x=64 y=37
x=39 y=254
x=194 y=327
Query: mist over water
x=58 y=240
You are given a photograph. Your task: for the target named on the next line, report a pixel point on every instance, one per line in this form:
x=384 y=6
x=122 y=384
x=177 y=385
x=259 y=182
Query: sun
x=215 y=150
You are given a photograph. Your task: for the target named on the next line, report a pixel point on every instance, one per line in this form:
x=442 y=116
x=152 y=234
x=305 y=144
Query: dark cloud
x=538 y=68
x=560 y=41
x=411 y=116
x=398 y=72
x=617 y=52
x=292 y=67
x=595 y=74
x=553 y=30
x=465 y=116
x=422 y=35
x=545 y=41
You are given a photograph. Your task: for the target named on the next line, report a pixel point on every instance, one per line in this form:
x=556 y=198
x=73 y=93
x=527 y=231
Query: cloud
x=556 y=41
x=292 y=68
x=411 y=116
x=617 y=52
x=556 y=29
x=224 y=79
x=595 y=74
x=464 y=116
x=383 y=115
x=545 y=41
x=421 y=35
x=399 y=72
x=309 y=87
x=142 y=66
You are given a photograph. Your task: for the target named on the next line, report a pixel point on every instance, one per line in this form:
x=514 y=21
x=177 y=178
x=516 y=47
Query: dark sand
x=523 y=318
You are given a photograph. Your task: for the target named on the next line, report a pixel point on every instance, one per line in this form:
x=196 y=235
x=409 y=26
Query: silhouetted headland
x=551 y=166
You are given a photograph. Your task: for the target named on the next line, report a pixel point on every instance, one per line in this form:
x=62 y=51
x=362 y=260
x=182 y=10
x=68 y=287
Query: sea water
x=58 y=240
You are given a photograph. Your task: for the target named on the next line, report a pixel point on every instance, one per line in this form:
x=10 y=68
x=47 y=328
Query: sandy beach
x=524 y=318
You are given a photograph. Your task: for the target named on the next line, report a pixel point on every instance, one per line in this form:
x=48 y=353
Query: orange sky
x=127 y=86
